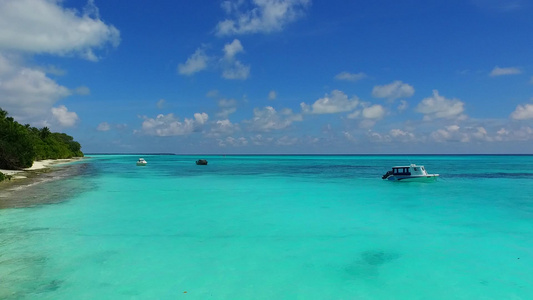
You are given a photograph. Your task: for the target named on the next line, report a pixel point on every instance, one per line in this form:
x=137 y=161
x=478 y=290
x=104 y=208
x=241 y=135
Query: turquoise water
x=275 y=227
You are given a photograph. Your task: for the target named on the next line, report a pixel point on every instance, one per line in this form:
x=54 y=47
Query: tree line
x=21 y=145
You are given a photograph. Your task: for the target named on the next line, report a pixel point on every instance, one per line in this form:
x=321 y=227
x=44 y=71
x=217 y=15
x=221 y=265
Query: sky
x=273 y=76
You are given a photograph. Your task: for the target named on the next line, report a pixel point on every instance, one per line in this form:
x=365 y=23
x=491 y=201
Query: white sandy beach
x=37 y=165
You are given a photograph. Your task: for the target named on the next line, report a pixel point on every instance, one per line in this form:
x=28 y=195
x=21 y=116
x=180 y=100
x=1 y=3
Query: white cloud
x=272 y=95
x=349 y=136
x=200 y=118
x=286 y=141
x=263 y=16
x=524 y=133
x=227 y=107
x=64 y=117
x=403 y=105
x=336 y=103
x=447 y=134
x=355 y=114
x=236 y=71
x=394 y=90
x=377 y=137
x=480 y=133
x=27 y=94
x=104 y=126
x=44 y=26
x=233 y=68
x=350 y=76
x=402 y=135
x=234 y=142
x=497 y=71
x=455 y=133
x=437 y=107
x=374 y=112
x=523 y=112
x=168 y=125
x=54 y=70
x=222 y=127
x=196 y=63
x=230 y=50
x=260 y=140
x=268 y=119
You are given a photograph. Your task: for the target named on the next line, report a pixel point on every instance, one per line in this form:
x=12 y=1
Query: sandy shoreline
x=26 y=187
x=38 y=165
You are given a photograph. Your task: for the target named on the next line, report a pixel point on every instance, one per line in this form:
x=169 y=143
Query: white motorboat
x=141 y=162
x=409 y=173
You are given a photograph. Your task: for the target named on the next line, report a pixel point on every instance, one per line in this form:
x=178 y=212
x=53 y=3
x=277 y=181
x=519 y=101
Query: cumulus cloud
x=449 y=133
x=54 y=29
x=374 y=112
x=268 y=119
x=394 y=90
x=195 y=63
x=233 y=68
x=497 y=71
x=64 y=117
x=26 y=93
x=335 y=103
x=231 y=49
x=260 y=140
x=259 y=16
x=437 y=107
x=237 y=70
x=523 y=112
x=168 y=125
x=350 y=76
x=524 y=133
x=222 y=128
x=455 y=133
x=401 y=134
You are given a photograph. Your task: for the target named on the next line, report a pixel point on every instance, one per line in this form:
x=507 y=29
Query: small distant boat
x=201 y=162
x=409 y=173
x=141 y=162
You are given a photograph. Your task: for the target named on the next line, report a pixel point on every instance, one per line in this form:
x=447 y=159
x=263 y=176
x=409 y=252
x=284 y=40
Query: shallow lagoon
x=274 y=227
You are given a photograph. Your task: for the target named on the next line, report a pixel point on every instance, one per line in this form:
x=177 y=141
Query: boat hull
x=421 y=178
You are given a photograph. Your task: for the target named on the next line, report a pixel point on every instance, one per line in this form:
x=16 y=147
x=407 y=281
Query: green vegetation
x=4 y=177
x=21 y=145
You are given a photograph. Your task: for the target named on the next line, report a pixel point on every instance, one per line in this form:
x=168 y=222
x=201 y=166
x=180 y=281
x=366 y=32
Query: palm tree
x=45 y=132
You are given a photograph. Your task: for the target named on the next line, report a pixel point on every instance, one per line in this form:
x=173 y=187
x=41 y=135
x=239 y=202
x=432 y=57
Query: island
x=22 y=145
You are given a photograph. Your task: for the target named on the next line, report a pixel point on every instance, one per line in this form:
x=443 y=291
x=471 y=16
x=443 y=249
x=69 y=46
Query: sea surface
x=272 y=227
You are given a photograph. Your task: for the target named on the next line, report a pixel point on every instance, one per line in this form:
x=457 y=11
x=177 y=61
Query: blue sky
x=273 y=76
